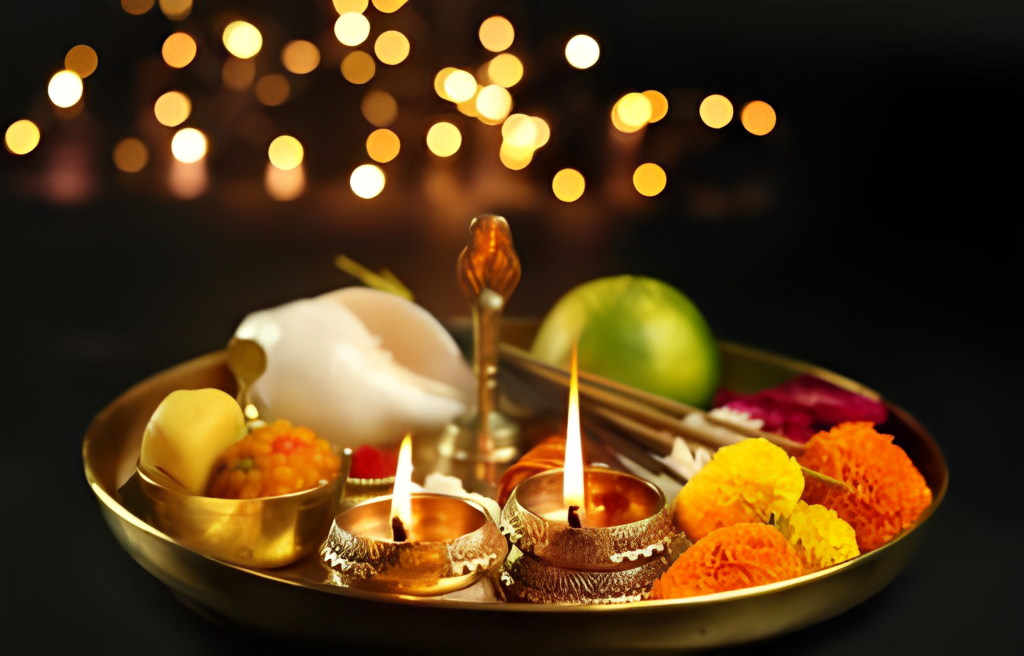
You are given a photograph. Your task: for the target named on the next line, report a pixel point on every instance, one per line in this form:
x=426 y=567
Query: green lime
x=635 y=330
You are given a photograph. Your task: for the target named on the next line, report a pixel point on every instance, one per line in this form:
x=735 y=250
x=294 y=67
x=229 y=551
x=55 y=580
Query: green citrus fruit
x=635 y=330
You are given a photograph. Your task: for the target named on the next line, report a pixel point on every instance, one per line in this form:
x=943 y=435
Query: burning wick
x=573 y=489
x=401 y=498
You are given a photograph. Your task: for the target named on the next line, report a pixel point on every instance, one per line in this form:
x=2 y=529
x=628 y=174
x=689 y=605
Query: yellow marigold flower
x=744 y=482
x=820 y=537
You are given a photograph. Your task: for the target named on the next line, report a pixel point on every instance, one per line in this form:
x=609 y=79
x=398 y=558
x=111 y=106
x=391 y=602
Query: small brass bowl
x=267 y=532
x=453 y=542
x=358 y=490
x=628 y=541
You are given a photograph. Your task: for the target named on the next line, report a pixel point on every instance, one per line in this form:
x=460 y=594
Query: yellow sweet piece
x=188 y=431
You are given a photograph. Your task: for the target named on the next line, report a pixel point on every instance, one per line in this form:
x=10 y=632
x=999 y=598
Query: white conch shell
x=358 y=366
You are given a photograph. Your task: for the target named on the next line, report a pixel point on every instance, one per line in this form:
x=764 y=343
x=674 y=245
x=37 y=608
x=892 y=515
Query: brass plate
x=297 y=600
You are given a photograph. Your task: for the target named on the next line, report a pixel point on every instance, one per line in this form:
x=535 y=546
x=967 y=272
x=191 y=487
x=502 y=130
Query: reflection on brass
x=266 y=532
x=488 y=271
x=247 y=361
x=449 y=544
x=624 y=546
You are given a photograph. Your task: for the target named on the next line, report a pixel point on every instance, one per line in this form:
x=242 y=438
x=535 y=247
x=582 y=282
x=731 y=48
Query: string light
x=82 y=60
x=65 y=89
x=300 y=57
x=383 y=145
x=758 y=117
x=582 y=51
x=496 y=33
x=242 y=39
x=172 y=108
x=188 y=145
x=391 y=47
x=367 y=181
x=22 y=137
x=716 y=111
x=568 y=185
x=358 y=67
x=649 y=179
x=351 y=28
x=178 y=50
x=444 y=139
x=131 y=155
x=285 y=152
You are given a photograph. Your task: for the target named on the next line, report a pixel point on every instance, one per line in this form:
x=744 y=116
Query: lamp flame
x=573 y=493
x=401 y=497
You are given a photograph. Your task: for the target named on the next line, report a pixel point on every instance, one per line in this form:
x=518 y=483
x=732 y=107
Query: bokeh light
x=391 y=47
x=345 y=6
x=496 y=33
x=178 y=50
x=238 y=74
x=383 y=145
x=568 y=185
x=65 y=89
x=649 y=179
x=352 y=28
x=519 y=131
x=659 y=105
x=631 y=112
x=468 y=106
x=444 y=139
x=379 y=108
x=22 y=137
x=514 y=157
x=131 y=155
x=272 y=90
x=188 y=145
x=460 y=85
x=300 y=57
x=367 y=181
x=582 y=51
x=505 y=70
x=716 y=111
x=137 y=7
x=493 y=103
x=242 y=39
x=388 y=6
x=172 y=108
x=82 y=60
x=285 y=152
x=189 y=180
x=358 y=67
x=439 y=80
x=176 y=10
x=543 y=131
x=758 y=117
x=284 y=185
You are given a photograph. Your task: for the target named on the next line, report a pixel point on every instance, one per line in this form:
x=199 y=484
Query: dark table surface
x=874 y=233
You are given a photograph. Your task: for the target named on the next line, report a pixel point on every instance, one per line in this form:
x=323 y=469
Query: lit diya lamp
x=584 y=535
x=416 y=544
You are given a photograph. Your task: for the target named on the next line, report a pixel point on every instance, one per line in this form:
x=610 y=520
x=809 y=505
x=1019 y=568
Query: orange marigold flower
x=886 y=491
x=820 y=537
x=730 y=558
x=744 y=482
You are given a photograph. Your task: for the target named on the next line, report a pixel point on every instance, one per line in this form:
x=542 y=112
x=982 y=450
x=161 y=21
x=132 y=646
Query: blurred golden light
x=82 y=60
x=172 y=108
x=176 y=10
x=179 y=50
x=285 y=152
x=519 y=131
x=379 y=108
x=439 y=80
x=352 y=28
x=649 y=179
x=65 y=89
x=659 y=105
x=242 y=39
x=300 y=57
x=633 y=111
x=514 y=157
x=358 y=67
x=391 y=47
x=238 y=74
x=188 y=145
x=497 y=33
x=272 y=90
x=345 y=6
x=460 y=85
x=383 y=145
x=284 y=185
x=505 y=70
x=21 y=137
x=758 y=117
x=568 y=185
x=444 y=139
x=130 y=155
x=468 y=107
x=388 y=6
x=188 y=180
x=716 y=111
x=494 y=103
x=582 y=51
x=367 y=181
x=137 y=7
x=543 y=131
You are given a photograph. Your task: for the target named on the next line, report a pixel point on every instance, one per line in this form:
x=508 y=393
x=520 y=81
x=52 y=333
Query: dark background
x=874 y=232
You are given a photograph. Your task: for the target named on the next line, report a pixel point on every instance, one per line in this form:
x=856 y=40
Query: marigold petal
x=819 y=536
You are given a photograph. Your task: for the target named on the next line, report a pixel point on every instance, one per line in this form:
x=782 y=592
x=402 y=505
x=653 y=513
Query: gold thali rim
x=112 y=505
